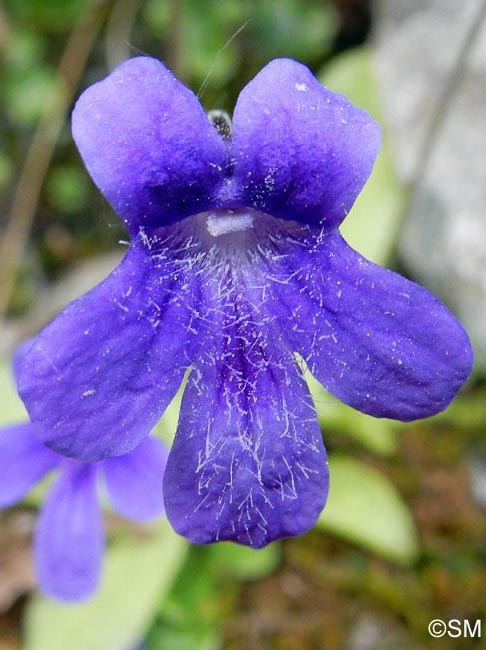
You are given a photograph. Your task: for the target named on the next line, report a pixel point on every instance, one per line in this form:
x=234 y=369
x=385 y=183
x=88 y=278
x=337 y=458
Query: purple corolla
x=69 y=539
x=235 y=264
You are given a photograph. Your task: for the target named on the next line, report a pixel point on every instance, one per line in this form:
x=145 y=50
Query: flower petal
x=24 y=460
x=300 y=151
x=377 y=341
x=248 y=463
x=134 y=481
x=148 y=144
x=18 y=357
x=100 y=375
x=69 y=540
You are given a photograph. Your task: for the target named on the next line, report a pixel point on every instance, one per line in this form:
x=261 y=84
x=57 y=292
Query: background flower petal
x=248 y=463
x=101 y=374
x=300 y=151
x=69 y=540
x=24 y=460
x=134 y=481
x=148 y=144
x=377 y=341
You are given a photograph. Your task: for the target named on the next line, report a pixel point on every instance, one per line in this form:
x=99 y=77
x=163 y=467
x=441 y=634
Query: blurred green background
x=403 y=538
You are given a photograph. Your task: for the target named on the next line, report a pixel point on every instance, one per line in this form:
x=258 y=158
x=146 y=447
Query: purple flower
x=235 y=264
x=69 y=539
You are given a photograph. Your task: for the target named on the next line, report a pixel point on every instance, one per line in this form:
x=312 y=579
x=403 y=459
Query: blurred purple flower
x=69 y=539
x=235 y=263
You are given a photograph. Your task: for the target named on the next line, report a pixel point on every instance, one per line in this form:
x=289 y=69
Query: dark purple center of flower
x=232 y=236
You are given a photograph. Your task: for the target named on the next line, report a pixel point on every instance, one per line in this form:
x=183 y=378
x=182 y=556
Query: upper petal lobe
x=148 y=144
x=300 y=151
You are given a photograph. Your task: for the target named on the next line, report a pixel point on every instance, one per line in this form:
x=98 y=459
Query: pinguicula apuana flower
x=235 y=265
x=69 y=539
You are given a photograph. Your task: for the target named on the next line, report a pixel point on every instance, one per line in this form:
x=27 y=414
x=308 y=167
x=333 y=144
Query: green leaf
x=49 y=15
x=67 y=188
x=138 y=574
x=190 y=616
x=245 y=563
x=467 y=412
x=27 y=92
x=26 y=48
x=166 y=427
x=364 y=507
x=294 y=28
x=193 y=636
x=12 y=410
x=209 y=26
x=373 y=223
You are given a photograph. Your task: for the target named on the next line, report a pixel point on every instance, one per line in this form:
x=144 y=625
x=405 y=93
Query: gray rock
x=416 y=45
x=477 y=479
x=369 y=632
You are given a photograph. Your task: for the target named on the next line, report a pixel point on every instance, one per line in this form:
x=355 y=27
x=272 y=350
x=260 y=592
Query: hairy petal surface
x=134 y=481
x=300 y=151
x=24 y=460
x=148 y=144
x=69 y=540
x=248 y=463
x=100 y=375
x=378 y=342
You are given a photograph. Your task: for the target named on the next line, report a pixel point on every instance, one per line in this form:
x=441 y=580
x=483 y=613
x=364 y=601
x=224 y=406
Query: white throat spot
x=218 y=225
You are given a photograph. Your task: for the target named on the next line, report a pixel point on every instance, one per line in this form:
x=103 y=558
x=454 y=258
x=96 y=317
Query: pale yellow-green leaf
x=364 y=507
x=165 y=428
x=12 y=409
x=372 y=225
x=138 y=574
x=246 y=563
